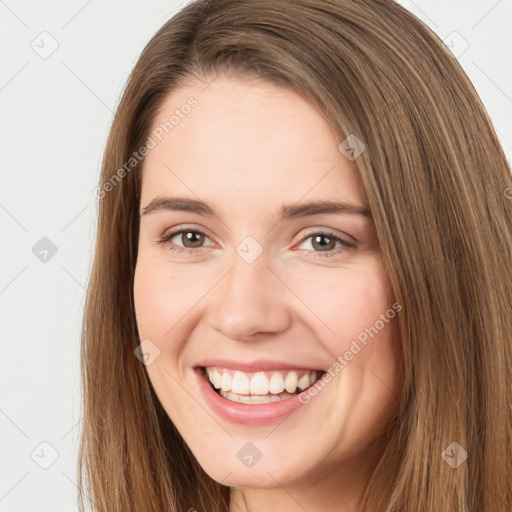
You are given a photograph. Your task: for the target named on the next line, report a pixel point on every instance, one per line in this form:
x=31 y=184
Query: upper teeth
x=261 y=383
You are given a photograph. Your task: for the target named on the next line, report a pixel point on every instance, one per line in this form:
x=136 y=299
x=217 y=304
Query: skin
x=246 y=149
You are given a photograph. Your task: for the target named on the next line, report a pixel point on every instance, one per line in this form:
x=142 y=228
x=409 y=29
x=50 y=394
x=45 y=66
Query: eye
x=325 y=241
x=192 y=241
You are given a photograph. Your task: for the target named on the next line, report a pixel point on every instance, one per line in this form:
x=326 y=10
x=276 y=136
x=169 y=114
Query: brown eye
x=192 y=239
x=323 y=242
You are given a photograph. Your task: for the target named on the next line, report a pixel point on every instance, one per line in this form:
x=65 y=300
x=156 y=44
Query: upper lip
x=253 y=366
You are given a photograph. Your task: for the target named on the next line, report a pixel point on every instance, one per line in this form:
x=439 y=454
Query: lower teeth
x=254 y=399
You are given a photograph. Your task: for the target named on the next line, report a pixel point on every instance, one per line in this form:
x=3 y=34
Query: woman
x=247 y=366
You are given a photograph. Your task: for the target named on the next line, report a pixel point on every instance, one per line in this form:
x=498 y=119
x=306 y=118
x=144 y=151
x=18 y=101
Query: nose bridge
x=250 y=299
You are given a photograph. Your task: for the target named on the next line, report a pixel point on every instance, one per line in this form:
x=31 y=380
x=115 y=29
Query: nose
x=250 y=300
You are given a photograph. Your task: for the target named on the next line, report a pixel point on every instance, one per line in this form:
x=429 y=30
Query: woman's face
x=262 y=291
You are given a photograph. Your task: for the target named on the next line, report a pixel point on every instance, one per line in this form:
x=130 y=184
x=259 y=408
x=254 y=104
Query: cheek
x=148 y=301
x=345 y=300
x=358 y=326
x=160 y=299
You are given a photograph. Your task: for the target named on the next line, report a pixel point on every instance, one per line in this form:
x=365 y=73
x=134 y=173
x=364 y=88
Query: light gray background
x=56 y=111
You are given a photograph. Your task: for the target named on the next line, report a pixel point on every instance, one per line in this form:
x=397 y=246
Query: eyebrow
x=164 y=203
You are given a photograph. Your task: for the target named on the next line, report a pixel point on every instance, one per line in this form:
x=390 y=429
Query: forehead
x=250 y=144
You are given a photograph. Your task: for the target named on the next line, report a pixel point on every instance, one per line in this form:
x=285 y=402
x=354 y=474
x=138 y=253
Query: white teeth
x=254 y=399
x=304 y=382
x=290 y=383
x=225 y=382
x=276 y=384
x=240 y=384
x=217 y=379
x=259 y=384
x=262 y=384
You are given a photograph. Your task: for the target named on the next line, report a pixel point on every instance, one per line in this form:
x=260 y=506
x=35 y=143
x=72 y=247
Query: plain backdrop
x=63 y=67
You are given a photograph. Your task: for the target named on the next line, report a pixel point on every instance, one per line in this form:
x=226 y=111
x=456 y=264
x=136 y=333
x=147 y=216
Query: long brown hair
x=437 y=183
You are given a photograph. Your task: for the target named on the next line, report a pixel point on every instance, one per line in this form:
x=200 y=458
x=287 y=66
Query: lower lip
x=247 y=414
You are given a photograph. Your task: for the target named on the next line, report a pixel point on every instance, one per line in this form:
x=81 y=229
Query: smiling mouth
x=259 y=387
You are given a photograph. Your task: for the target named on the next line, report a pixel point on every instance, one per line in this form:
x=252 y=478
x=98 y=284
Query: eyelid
x=349 y=239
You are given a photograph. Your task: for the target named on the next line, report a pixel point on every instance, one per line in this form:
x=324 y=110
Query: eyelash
x=165 y=240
